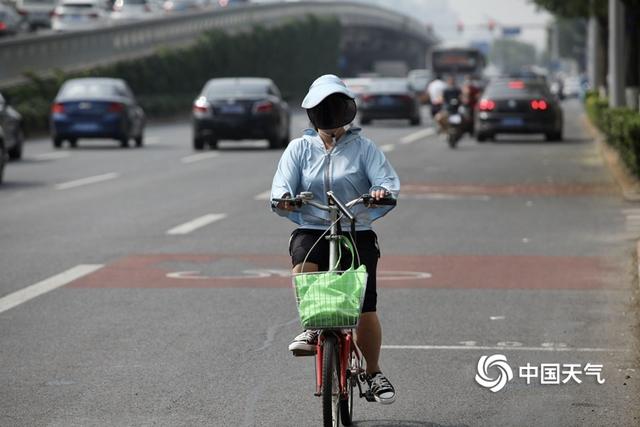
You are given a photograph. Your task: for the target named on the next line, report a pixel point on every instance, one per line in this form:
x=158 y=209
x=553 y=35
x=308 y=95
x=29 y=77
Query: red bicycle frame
x=346 y=346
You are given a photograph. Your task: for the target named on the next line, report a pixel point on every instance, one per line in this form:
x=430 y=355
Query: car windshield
x=516 y=88
x=90 y=90
x=223 y=89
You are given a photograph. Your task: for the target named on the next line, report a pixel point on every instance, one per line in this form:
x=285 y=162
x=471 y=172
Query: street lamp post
x=616 y=54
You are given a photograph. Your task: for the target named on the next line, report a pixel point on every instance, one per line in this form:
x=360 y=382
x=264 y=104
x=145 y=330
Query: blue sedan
x=96 y=108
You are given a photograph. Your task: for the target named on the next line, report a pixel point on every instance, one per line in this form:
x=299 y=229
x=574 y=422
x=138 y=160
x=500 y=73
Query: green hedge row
x=621 y=127
x=166 y=83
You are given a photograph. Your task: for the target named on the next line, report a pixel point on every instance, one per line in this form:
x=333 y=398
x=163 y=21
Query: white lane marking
x=190 y=226
x=197 y=157
x=151 y=140
x=416 y=136
x=265 y=195
x=9 y=301
x=387 y=148
x=55 y=155
x=438 y=196
x=497 y=317
x=501 y=348
x=86 y=181
x=632 y=219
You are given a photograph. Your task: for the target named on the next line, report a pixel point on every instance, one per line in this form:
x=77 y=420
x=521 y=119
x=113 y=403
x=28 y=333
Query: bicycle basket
x=328 y=300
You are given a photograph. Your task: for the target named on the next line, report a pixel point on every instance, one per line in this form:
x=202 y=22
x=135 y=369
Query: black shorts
x=302 y=240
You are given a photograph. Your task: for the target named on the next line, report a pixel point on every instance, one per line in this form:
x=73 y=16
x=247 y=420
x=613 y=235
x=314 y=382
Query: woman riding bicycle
x=335 y=157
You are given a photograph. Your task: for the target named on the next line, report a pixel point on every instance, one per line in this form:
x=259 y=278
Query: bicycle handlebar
x=365 y=199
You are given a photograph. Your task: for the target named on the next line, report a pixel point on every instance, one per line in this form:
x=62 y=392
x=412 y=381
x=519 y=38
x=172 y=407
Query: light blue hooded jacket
x=352 y=168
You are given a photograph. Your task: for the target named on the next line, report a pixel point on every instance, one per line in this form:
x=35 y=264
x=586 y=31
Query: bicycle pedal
x=369 y=396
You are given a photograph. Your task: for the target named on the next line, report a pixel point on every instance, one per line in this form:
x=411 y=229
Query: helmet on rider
x=329 y=103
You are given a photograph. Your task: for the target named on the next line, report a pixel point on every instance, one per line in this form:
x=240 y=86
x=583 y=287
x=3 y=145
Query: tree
x=599 y=9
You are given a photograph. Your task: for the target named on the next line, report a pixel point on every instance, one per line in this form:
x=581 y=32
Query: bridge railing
x=43 y=54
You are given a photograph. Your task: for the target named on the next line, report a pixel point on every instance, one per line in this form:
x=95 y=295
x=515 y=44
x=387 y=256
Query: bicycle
x=339 y=363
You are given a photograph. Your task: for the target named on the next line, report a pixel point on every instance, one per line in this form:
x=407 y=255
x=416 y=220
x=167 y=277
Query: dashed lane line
x=417 y=136
x=265 y=195
x=387 y=148
x=55 y=155
x=14 y=299
x=193 y=225
x=151 y=140
x=86 y=181
x=198 y=157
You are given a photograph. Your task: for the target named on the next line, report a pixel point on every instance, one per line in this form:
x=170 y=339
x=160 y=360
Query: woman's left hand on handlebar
x=379 y=193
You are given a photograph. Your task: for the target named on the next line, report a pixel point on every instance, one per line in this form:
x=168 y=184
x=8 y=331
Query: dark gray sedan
x=389 y=98
x=240 y=108
x=518 y=106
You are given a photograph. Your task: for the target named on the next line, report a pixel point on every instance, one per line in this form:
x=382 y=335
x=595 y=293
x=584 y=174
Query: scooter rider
x=451 y=97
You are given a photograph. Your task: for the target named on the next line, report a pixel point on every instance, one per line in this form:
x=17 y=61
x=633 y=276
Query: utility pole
x=616 y=54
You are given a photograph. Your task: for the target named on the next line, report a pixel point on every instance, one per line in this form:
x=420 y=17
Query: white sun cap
x=322 y=87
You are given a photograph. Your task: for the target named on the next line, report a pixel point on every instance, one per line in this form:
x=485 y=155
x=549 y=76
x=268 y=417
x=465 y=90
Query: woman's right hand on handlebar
x=285 y=205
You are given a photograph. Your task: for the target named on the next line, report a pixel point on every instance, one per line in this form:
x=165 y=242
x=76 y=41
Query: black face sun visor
x=335 y=111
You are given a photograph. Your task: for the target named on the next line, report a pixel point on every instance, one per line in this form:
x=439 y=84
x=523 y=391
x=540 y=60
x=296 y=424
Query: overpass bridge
x=369 y=33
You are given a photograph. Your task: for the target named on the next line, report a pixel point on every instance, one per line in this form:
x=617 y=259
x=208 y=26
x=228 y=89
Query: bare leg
x=308 y=268
x=369 y=339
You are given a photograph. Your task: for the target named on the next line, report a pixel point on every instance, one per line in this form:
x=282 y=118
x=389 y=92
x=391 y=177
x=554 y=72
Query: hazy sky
x=444 y=14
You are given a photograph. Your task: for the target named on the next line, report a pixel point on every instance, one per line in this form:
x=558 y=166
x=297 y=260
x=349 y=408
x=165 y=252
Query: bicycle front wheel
x=346 y=405
x=330 y=383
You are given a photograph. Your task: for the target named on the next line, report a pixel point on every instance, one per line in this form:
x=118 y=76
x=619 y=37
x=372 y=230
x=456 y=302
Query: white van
x=37 y=13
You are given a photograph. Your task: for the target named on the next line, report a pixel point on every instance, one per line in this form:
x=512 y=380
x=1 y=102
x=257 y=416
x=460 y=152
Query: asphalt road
x=517 y=247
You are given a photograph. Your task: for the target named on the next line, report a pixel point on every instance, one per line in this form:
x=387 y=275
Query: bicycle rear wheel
x=330 y=383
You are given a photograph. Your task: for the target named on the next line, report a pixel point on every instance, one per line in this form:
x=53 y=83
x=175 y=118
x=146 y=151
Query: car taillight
x=263 y=107
x=115 y=107
x=367 y=98
x=539 y=104
x=516 y=84
x=486 y=105
x=3 y=26
x=201 y=105
x=57 y=108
